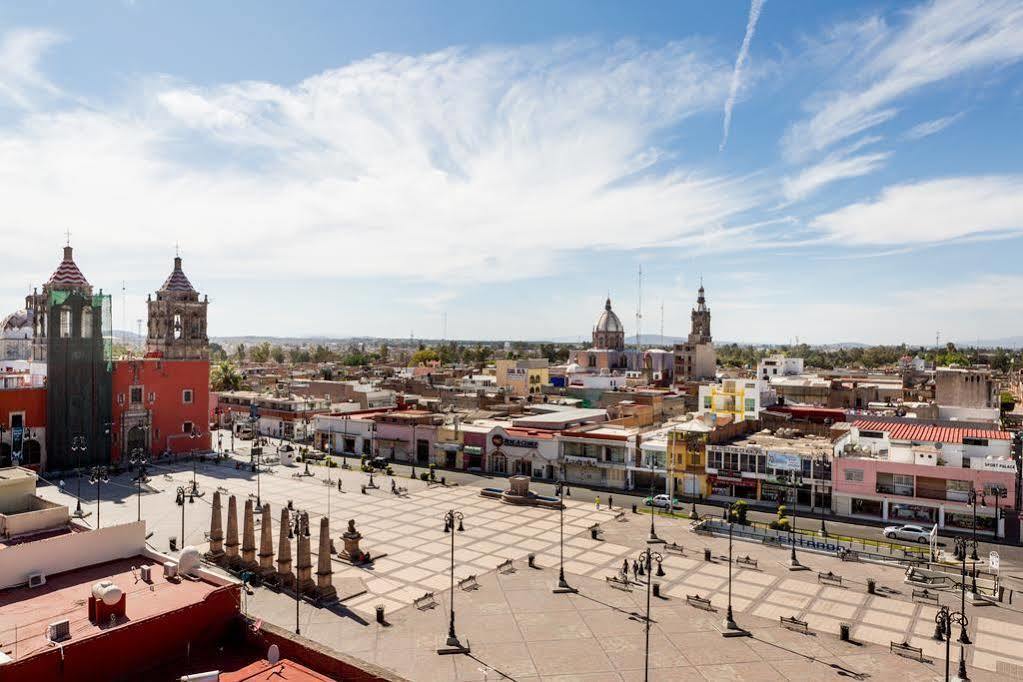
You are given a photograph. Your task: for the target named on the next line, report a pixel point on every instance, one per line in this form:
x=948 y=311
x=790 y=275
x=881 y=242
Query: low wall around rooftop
x=67 y=552
x=40 y=515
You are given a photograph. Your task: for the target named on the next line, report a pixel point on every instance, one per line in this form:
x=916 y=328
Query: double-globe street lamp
x=180 y=500
x=97 y=477
x=559 y=489
x=960 y=551
x=792 y=480
x=138 y=458
x=78 y=446
x=452 y=645
x=647 y=558
x=731 y=628
x=298 y=526
x=944 y=619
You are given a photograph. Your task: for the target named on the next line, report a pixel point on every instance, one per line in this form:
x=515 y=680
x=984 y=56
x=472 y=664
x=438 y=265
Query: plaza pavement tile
x=569 y=657
x=626 y=652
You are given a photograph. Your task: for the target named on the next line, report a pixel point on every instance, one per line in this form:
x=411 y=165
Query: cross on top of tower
x=67 y=233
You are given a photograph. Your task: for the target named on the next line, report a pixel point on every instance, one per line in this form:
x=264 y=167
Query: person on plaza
x=611 y=502
x=597 y=501
x=635 y=570
x=625 y=568
x=339 y=484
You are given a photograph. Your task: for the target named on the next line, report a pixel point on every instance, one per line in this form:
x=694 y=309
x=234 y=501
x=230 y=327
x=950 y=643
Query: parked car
x=378 y=462
x=663 y=501
x=908 y=532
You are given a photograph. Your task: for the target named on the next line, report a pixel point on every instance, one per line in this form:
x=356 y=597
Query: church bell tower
x=177 y=320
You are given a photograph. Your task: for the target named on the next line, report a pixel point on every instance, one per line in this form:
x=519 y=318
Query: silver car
x=908 y=532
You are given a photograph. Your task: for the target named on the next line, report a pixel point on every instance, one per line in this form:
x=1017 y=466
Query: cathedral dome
x=608 y=321
x=17 y=325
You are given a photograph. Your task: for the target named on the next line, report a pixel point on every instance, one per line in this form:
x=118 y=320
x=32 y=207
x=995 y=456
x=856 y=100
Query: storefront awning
x=447 y=447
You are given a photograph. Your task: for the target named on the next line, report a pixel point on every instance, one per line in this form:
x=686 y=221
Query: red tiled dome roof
x=67 y=273
x=177 y=281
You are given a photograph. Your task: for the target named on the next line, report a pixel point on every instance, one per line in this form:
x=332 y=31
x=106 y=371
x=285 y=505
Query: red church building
x=161 y=402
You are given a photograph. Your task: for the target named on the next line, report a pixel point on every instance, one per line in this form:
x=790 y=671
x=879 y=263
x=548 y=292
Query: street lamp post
x=793 y=481
x=731 y=628
x=943 y=620
x=960 y=548
x=653 y=539
x=647 y=558
x=972 y=499
x=78 y=446
x=296 y=527
x=138 y=458
x=97 y=477
x=821 y=462
x=453 y=646
x=563 y=586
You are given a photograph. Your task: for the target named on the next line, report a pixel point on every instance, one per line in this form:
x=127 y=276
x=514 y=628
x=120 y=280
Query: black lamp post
x=822 y=461
x=1000 y=493
x=138 y=458
x=453 y=646
x=653 y=539
x=195 y=433
x=972 y=498
x=97 y=477
x=943 y=620
x=563 y=585
x=647 y=558
x=960 y=548
x=78 y=446
x=731 y=628
x=297 y=526
x=793 y=481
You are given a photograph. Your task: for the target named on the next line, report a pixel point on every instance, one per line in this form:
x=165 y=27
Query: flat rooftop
x=66 y=595
x=804 y=445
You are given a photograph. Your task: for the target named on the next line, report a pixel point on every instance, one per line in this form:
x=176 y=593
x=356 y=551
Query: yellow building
x=735 y=398
x=687 y=458
x=523 y=377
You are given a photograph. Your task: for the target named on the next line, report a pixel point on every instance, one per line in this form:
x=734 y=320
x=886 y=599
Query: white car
x=911 y=533
x=663 y=501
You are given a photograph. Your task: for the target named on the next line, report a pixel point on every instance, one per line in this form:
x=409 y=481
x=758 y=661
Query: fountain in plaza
x=518 y=493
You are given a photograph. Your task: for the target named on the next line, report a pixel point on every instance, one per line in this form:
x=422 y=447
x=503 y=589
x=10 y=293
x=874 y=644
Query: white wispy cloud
x=833 y=168
x=21 y=81
x=457 y=166
x=756 y=6
x=931 y=211
x=938 y=40
x=928 y=128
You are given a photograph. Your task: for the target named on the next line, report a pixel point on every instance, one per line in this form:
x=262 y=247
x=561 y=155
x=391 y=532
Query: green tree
x=225 y=377
x=422 y=356
x=384 y=352
x=299 y=355
x=260 y=353
x=239 y=352
x=217 y=352
x=322 y=354
x=277 y=355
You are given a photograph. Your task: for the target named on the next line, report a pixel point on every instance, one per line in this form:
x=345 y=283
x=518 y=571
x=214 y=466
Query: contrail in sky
x=740 y=61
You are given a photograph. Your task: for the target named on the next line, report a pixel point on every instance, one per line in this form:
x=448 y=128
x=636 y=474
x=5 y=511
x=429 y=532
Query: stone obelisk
x=231 y=546
x=324 y=582
x=249 y=538
x=266 y=544
x=304 y=567
x=216 y=552
x=284 y=575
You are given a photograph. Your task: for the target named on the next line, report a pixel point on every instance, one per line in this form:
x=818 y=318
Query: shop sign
x=734 y=450
x=783 y=462
x=519 y=443
x=1006 y=465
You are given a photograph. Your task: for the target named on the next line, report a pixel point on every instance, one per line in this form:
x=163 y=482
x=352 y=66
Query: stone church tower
x=700 y=331
x=177 y=320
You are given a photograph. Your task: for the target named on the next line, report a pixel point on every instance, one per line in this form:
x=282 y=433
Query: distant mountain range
x=1004 y=342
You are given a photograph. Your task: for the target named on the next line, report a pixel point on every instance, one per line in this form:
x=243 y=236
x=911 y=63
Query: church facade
x=608 y=357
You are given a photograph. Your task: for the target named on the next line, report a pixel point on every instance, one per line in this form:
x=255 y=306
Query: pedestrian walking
x=611 y=502
x=635 y=569
x=625 y=568
x=597 y=502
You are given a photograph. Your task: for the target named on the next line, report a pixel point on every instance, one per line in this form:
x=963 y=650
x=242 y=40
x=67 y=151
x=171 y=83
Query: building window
x=65 y=323
x=186 y=396
x=854 y=475
x=706 y=402
x=136 y=395
x=177 y=326
x=186 y=427
x=86 y=331
x=751 y=404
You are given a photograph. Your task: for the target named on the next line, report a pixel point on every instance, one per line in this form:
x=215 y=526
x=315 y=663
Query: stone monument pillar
x=232 y=559
x=249 y=538
x=285 y=577
x=266 y=544
x=304 y=565
x=216 y=552
x=324 y=582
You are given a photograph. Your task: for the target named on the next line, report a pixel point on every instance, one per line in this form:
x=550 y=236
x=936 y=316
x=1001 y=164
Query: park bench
x=425 y=602
x=620 y=516
x=699 y=602
x=619 y=583
x=907 y=650
x=793 y=623
x=468 y=583
x=829 y=578
x=506 y=567
x=595 y=532
x=675 y=548
x=746 y=561
x=925 y=595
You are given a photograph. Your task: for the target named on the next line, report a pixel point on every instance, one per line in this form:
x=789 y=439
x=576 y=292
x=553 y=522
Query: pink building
x=917 y=473
x=406 y=435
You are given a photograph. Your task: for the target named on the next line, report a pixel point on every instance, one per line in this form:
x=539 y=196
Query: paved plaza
x=519 y=629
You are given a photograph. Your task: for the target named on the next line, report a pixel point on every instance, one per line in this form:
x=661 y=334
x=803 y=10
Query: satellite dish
x=273 y=654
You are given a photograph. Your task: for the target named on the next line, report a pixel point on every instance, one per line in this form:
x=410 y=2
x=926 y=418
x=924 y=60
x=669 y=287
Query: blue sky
x=363 y=169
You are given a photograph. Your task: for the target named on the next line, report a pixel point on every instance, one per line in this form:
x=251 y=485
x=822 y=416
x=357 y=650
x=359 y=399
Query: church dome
x=17 y=325
x=608 y=321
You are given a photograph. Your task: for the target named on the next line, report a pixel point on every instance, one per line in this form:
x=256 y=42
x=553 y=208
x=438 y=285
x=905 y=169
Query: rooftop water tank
x=107 y=592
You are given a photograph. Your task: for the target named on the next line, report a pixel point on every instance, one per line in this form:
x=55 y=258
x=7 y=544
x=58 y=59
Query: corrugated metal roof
x=929 y=432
